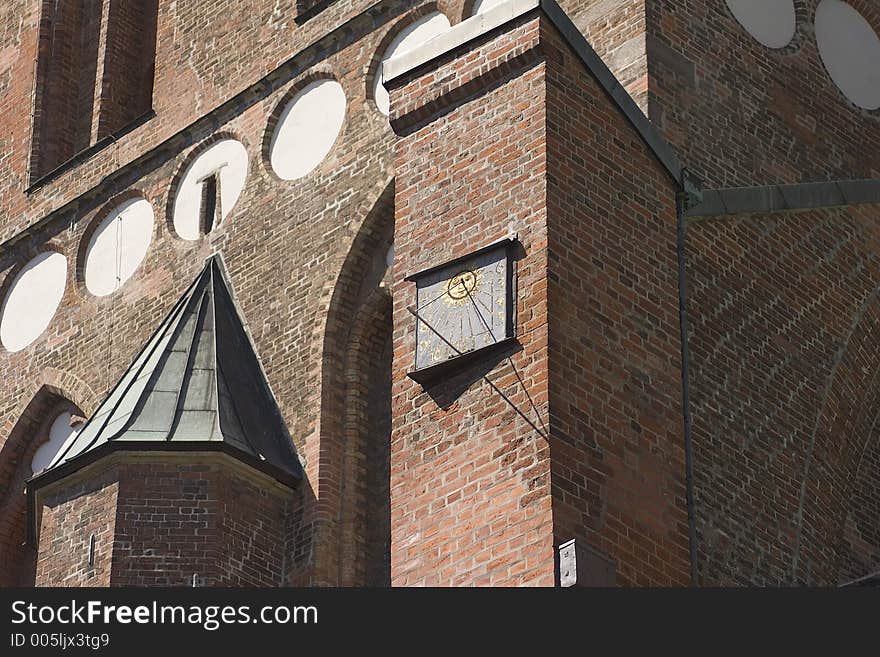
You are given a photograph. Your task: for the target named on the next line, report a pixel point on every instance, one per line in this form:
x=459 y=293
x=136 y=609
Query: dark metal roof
x=197 y=380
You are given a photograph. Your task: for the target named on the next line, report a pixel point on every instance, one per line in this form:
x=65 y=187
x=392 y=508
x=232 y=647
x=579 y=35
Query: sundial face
x=463 y=307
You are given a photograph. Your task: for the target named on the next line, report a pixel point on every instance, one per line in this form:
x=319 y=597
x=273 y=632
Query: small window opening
x=210 y=210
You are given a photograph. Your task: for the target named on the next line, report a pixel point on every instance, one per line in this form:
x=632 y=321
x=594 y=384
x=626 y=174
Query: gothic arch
x=364 y=509
x=843 y=431
x=57 y=392
x=52 y=387
x=358 y=317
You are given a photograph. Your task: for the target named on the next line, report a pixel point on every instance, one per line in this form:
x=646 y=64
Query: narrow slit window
x=210 y=207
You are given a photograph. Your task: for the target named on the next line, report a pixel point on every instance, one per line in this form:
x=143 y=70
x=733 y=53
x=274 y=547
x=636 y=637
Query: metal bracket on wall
x=582 y=566
x=692 y=190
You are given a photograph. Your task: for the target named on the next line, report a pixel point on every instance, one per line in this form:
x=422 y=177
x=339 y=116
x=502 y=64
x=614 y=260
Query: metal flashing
x=780 y=198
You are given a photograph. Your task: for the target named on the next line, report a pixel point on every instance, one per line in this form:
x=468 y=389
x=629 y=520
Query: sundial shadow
x=446 y=387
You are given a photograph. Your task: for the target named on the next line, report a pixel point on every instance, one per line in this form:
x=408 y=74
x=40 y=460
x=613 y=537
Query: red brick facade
x=740 y=113
x=161 y=521
x=615 y=361
x=539 y=132
x=470 y=486
x=580 y=433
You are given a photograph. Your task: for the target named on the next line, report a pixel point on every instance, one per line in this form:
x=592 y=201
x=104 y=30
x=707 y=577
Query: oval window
x=771 y=22
x=209 y=188
x=307 y=129
x=409 y=38
x=118 y=246
x=32 y=300
x=850 y=50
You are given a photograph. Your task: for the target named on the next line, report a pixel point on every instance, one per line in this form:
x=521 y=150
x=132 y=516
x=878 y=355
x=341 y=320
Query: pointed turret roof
x=197 y=385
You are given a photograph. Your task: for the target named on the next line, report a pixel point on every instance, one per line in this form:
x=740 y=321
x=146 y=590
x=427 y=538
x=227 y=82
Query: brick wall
x=277 y=231
x=784 y=318
x=70 y=517
x=94 y=75
x=25 y=438
x=367 y=516
x=742 y=114
x=286 y=245
x=470 y=491
x=206 y=53
x=160 y=520
x=617 y=31
x=618 y=474
x=176 y=520
x=513 y=133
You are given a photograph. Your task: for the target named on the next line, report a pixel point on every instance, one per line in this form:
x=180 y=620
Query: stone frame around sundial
x=465 y=309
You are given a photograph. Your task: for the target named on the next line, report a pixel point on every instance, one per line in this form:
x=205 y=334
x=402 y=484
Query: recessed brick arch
x=364 y=509
x=95 y=66
x=53 y=385
x=58 y=392
x=844 y=430
x=858 y=553
x=352 y=303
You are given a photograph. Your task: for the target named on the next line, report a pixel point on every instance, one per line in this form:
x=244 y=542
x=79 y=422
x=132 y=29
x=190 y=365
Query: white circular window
x=32 y=300
x=209 y=188
x=850 y=50
x=409 y=38
x=118 y=246
x=60 y=433
x=482 y=6
x=307 y=129
x=771 y=22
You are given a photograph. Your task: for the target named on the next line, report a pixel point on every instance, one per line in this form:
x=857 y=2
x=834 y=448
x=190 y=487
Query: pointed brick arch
x=364 y=509
x=25 y=432
x=843 y=432
x=358 y=317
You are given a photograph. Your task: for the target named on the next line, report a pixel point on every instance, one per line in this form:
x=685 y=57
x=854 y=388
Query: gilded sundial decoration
x=463 y=307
